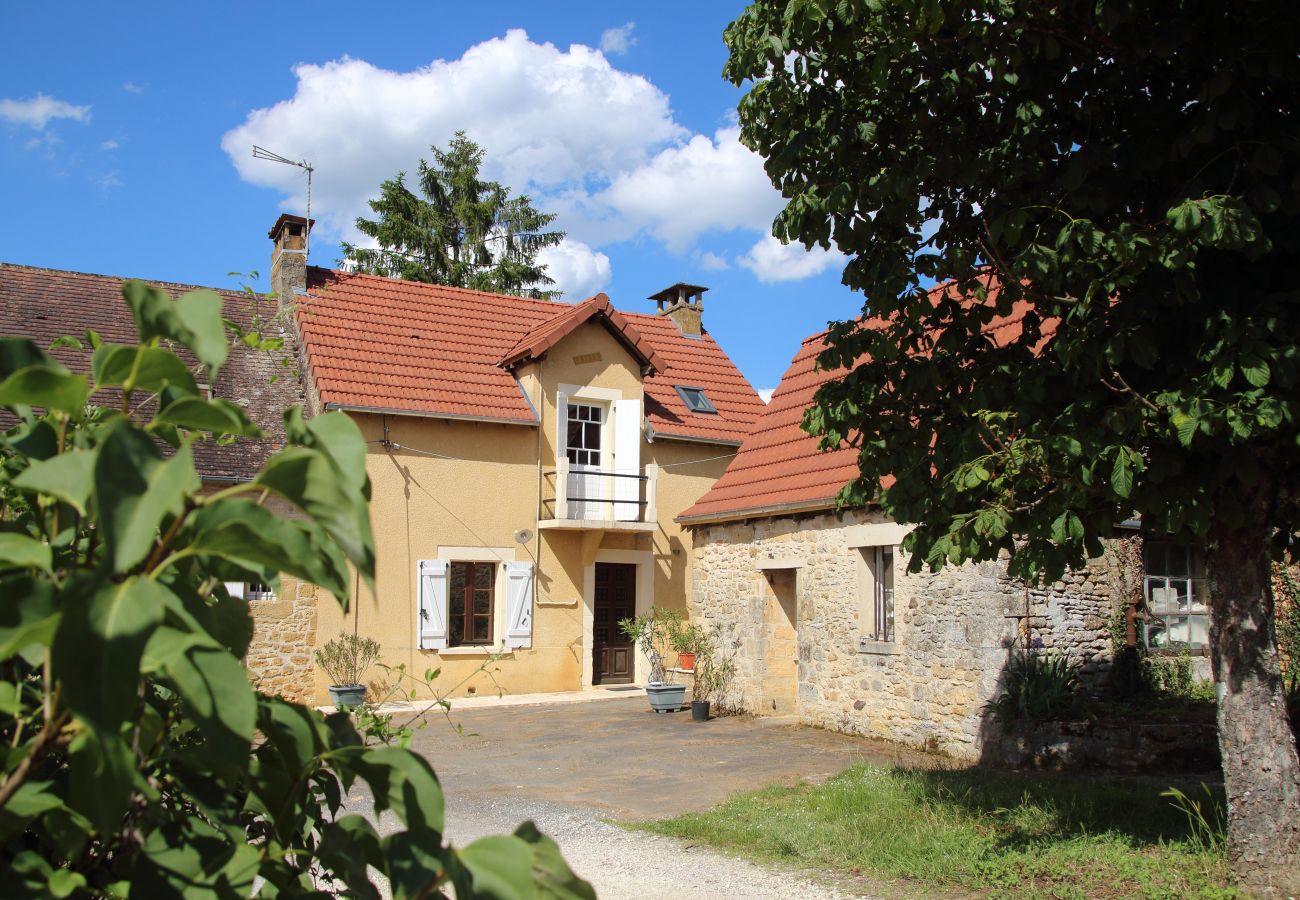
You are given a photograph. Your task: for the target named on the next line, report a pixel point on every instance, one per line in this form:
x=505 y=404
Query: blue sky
x=126 y=135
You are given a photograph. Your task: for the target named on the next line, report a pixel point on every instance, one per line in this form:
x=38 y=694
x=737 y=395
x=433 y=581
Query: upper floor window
x=695 y=399
x=1175 y=596
x=583 y=446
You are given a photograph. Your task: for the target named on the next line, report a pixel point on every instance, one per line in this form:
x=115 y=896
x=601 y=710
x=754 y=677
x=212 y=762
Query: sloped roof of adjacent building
x=780 y=469
x=44 y=304
x=422 y=349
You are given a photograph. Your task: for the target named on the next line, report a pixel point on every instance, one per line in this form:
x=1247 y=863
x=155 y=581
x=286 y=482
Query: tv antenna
x=263 y=153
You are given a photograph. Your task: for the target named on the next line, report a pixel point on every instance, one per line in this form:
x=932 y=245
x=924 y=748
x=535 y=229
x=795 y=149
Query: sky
x=126 y=135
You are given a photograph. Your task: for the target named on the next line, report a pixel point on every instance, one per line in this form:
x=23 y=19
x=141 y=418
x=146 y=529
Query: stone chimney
x=684 y=304
x=289 y=258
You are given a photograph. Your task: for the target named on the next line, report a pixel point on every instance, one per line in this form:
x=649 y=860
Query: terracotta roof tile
x=435 y=350
x=44 y=304
x=780 y=467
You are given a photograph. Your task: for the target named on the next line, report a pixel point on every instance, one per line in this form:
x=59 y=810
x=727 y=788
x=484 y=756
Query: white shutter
x=627 y=458
x=561 y=425
x=235 y=589
x=431 y=629
x=519 y=604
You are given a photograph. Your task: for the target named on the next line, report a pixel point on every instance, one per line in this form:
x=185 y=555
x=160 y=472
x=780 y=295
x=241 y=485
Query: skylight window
x=695 y=399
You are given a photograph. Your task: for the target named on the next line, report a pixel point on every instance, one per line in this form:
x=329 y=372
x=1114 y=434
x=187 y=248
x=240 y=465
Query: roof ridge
x=177 y=284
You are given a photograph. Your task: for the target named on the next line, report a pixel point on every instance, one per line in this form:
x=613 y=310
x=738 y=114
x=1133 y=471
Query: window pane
x=592 y=436
x=482 y=629
x=482 y=602
x=575 y=434
x=483 y=575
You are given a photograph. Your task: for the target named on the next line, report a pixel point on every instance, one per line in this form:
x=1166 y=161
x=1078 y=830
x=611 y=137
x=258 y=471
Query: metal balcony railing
x=581 y=494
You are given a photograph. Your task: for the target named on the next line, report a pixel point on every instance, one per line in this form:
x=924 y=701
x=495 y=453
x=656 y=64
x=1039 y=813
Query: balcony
x=581 y=499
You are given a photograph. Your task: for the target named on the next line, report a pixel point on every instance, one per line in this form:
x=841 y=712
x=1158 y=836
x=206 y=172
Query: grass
x=1004 y=834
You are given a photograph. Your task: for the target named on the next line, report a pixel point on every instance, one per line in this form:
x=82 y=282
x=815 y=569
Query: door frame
x=644 y=560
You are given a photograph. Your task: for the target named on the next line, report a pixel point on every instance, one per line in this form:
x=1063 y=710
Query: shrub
x=1037 y=685
x=138 y=758
x=346 y=658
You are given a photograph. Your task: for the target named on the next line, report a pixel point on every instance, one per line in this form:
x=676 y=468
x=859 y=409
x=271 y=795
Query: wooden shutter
x=431 y=627
x=627 y=458
x=519 y=604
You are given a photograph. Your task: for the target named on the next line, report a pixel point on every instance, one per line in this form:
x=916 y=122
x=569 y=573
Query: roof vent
x=684 y=304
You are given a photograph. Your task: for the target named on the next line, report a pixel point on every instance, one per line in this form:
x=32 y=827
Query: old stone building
x=826 y=623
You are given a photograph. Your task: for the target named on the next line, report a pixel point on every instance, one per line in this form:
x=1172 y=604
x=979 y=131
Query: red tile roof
x=43 y=304
x=552 y=331
x=424 y=349
x=780 y=468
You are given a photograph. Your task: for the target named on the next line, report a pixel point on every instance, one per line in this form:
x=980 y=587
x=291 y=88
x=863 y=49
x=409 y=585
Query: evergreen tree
x=458 y=230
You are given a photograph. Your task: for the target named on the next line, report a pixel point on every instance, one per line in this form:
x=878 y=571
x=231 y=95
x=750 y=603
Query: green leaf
x=46 y=386
x=18 y=551
x=311 y=480
x=135 y=489
x=217 y=416
x=1121 y=473
x=402 y=781
x=193 y=321
x=63 y=882
x=20 y=353
x=551 y=874
x=252 y=537
x=337 y=436
x=1185 y=427
x=500 y=867
x=1254 y=369
x=27 y=613
x=67 y=477
x=149 y=369
x=98 y=648
x=214 y=686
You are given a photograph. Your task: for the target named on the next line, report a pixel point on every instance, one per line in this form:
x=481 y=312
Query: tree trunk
x=1261 y=770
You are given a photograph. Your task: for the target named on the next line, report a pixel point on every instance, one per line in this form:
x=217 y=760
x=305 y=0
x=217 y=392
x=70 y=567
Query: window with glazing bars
x=583 y=443
x=470 y=592
x=1176 y=591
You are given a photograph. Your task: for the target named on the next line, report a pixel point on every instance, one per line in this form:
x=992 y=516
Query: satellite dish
x=523 y=535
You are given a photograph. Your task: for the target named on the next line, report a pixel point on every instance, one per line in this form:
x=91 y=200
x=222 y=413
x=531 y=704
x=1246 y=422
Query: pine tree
x=459 y=230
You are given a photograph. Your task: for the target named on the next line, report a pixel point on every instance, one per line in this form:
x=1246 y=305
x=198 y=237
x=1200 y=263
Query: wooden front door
x=612 y=654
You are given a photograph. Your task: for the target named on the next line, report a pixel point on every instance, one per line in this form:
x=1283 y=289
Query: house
x=45 y=304
x=828 y=624
x=528 y=461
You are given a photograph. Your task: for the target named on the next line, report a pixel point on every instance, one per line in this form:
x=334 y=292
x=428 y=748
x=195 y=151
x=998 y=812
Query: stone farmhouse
x=528 y=460
x=829 y=625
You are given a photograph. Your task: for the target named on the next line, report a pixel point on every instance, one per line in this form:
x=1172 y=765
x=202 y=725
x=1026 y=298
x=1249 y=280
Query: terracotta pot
x=686 y=661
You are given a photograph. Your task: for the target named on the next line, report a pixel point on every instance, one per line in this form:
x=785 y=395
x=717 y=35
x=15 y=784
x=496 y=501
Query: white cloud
x=704 y=186
x=37 y=111
x=132 y=88
x=765 y=394
x=617 y=41
x=109 y=181
x=547 y=118
x=772 y=261
x=109 y=144
x=578 y=270
x=711 y=262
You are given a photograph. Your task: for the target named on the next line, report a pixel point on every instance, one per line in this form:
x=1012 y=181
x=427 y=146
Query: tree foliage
x=1131 y=171
x=459 y=230
x=137 y=759
x=1106 y=192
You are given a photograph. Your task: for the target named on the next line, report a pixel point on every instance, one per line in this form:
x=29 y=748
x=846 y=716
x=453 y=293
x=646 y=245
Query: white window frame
x=1161 y=593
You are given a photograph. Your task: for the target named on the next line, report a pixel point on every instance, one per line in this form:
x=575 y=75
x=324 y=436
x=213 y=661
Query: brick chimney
x=684 y=304
x=289 y=258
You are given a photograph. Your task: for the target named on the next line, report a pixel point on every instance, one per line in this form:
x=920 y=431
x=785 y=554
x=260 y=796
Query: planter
x=348 y=694
x=666 y=697
x=700 y=710
x=686 y=661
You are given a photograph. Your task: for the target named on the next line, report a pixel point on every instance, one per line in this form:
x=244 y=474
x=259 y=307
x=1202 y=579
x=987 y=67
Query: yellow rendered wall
x=422 y=502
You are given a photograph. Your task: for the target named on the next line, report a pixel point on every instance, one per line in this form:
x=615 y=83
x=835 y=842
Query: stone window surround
x=862 y=538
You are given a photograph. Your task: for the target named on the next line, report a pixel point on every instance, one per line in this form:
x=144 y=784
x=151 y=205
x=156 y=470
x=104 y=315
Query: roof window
x=695 y=399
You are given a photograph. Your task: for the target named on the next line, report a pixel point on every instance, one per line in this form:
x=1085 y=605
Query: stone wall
x=279 y=658
x=953 y=634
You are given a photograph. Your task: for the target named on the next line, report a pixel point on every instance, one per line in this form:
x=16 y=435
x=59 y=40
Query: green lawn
x=1007 y=834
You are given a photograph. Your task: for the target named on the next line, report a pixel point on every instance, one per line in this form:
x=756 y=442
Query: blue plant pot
x=350 y=695
x=666 y=697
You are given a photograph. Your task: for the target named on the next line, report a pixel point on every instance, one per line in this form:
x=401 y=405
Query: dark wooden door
x=613 y=655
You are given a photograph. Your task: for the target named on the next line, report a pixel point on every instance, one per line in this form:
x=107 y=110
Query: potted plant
x=652 y=634
x=713 y=671
x=345 y=660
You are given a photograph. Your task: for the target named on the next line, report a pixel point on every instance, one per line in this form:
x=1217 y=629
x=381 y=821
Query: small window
x=582 y=444
x=880 y=563
x=254 y=590
x=695 y=399
x=471 y=591
x=1175 y=594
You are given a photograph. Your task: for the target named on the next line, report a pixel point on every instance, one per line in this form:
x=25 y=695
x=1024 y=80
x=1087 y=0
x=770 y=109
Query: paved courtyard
x=570 y=767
